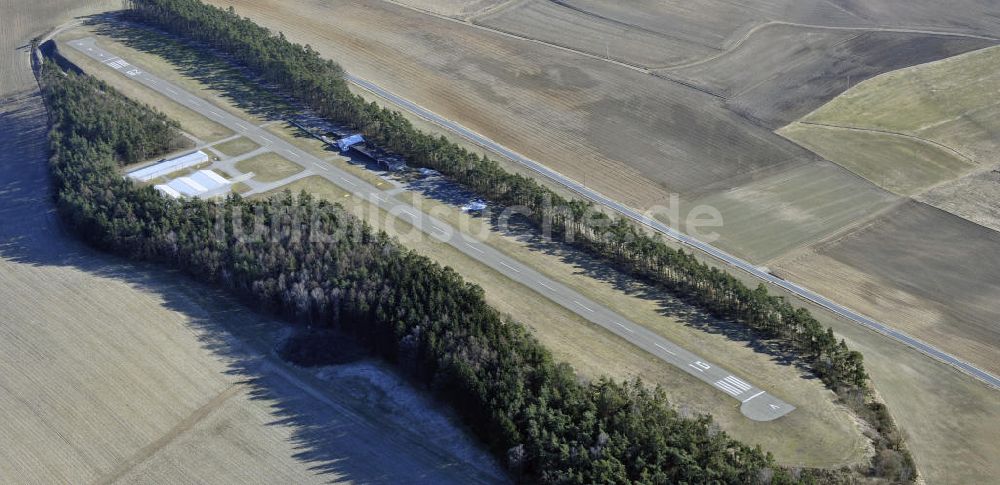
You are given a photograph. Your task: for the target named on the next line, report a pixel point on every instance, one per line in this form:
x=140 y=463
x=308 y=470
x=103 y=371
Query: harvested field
x=920 y=269
x=783 y=72
x=900 y=164
x=766 y=218
x=455 y=8
x=973 y=197
x=722 y=24
x=22 y=23
x=632 y=136
x=554 y=23
x=269 y=167
x=712 y=25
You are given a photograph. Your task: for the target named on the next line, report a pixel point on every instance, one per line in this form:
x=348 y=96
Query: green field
x=236 y=147
x=268 y=167
x=945 y=120
x=900 y=164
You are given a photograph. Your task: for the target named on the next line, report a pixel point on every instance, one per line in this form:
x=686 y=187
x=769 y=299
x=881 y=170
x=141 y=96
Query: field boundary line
x=891 y=133
x=750 y=33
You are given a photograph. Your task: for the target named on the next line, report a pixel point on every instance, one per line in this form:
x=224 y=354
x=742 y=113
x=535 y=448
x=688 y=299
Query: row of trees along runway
x=534 y=413
x=319 y=84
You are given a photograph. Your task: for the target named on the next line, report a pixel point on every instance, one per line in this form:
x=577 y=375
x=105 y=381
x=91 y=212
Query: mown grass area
x=269 y=167
x=236 y=147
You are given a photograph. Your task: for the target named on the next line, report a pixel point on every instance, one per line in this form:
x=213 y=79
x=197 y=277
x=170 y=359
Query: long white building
x=165 y=167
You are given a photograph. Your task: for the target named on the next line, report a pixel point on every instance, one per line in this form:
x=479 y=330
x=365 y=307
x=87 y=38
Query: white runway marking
x=345 y=179
x=583 y=306
x=474 y=248
x=438 y=229
x=505 y=265
x=751 y=397
x=214 y=112
x=671 y=352
x=404 y=211
x=622 y=325
x=737 y=383
x=546 y=286
x=171 y=91
x=378 y=197
x=701 y=366
x=732 y=391
x=291 y=153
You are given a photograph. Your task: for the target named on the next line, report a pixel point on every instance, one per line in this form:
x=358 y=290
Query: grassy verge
x=268 y=167
x=236 y=147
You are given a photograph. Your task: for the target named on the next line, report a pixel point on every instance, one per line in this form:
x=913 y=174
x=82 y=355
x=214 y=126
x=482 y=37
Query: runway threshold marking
x=751 y=397
x=737 y=383
x=727 y=388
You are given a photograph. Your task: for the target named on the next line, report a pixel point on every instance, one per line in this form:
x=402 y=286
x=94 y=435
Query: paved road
x=715 y=252
x=755 y=403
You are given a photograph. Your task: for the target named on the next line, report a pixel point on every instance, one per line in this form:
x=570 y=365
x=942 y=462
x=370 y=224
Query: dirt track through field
x=182 y=427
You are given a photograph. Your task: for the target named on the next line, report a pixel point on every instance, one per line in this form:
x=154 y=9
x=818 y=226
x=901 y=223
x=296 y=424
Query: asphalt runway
x=755 y=403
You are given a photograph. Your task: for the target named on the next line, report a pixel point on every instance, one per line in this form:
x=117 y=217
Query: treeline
x=319 y=84
x=315 y=262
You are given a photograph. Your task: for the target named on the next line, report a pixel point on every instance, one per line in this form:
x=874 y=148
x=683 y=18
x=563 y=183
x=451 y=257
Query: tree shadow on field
x=201 y=62
x=333 y=430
